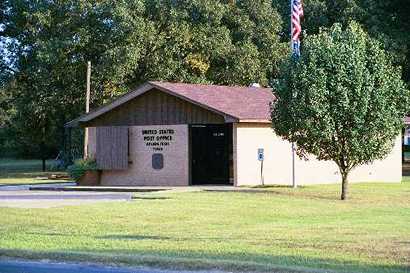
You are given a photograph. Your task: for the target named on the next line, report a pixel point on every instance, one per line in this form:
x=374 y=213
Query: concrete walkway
x=42 y=199
x=22 y=187
x=142 y=189
x=46 y=267
x=98 y=188
x=66 y=194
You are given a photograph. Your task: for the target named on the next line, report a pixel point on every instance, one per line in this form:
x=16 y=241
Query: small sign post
x=260 y=154
x=261 y=158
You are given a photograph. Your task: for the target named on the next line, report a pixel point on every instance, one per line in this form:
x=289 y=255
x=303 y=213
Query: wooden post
x=87 y=107
x=403 y=133
x=43 y=148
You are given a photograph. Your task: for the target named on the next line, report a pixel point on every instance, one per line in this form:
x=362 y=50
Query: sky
x=4 y=54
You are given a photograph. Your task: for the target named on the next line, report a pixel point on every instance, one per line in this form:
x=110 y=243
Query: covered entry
x=211 y=154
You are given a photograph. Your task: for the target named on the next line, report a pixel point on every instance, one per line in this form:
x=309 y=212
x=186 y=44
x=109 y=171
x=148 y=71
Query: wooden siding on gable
x=156 y=108
x=112 y=148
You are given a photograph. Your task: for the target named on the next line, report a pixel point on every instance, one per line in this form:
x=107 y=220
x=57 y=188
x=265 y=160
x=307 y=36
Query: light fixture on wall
x=255 y=85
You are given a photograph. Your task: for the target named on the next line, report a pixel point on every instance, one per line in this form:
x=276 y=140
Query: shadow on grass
x=275 y=186
x=215 y=239
x=132 y=237
x=309 y=195
x=330 y=196
x=150 y=198
x=198 y=260
x=49 y=234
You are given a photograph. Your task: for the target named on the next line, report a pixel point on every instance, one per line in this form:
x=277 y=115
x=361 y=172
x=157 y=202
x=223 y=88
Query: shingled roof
x=241 y=104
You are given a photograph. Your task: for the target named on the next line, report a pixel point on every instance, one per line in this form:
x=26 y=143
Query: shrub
x=80 y=166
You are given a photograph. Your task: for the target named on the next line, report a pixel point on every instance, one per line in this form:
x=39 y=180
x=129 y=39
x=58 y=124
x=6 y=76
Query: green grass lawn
x=284 y=229
x=18 y=171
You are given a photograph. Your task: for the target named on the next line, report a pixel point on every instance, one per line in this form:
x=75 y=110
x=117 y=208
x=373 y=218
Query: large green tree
x=342 y=100
x=48 y=45
x=128 y=42
x=5 y=103
x=386 y=21
x=4 y=79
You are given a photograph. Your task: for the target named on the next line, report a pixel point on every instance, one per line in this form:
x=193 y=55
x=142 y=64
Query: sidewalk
x=25 y=187
x=147 y=189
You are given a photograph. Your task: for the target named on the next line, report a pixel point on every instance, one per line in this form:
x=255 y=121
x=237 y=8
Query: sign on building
x=261 y=155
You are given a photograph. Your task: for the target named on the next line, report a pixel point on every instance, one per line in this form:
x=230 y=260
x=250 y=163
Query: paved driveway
x=39 y=267
x=23 y=187
x=21 y=197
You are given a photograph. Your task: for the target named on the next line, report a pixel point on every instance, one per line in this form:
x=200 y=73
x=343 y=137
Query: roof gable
x=236 y=104
x=243 y=103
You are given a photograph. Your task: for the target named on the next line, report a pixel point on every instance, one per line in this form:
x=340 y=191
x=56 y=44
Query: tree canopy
x=342 y=100
x=48 y=44
x=386 y=21
x=128 y=42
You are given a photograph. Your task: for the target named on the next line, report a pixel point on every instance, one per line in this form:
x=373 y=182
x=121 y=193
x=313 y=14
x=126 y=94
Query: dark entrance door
x=210 y=153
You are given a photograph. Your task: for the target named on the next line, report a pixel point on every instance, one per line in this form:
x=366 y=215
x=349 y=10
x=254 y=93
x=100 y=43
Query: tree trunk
x=344 y=186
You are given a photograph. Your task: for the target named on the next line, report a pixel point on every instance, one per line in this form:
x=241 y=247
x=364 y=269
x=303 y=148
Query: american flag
x=296 y=28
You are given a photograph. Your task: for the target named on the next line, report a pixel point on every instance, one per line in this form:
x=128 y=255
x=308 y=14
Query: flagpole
x=294 y=184
x=291 y=27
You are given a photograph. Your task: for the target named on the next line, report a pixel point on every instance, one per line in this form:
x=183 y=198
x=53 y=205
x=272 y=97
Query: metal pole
x=291 y=27
x=294 y=184
x=87 y=106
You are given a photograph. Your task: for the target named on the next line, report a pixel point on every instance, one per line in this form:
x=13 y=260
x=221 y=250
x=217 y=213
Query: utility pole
x=87 y=106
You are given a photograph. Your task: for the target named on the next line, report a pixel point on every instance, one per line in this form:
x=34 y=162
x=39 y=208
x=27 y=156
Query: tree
x=127 y=42
x=4 y=79
x=4 y=104
x=386 y=21
x=201 y=41
x=48 y=44
x=341 y=101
